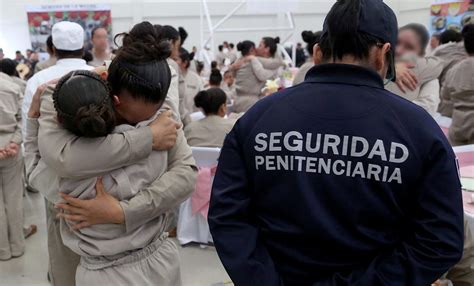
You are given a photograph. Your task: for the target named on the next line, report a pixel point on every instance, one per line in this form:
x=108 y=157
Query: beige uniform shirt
x=301 y=75
x=450 y=54
x=45 y=64
x=250 y=79
x=97 y=62
x=427 y=70
x=21 y=83
x=190 y=85
x=209 y=131
x=10 y=112
x=457 y=96
x=63 y=155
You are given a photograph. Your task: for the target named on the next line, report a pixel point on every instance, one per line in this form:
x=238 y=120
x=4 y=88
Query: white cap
x=68 y=36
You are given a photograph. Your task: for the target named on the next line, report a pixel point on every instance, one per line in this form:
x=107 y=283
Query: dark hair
x=185 y=56
x=468 y=35
x=168 y=33
x=95 y=30
x=83 y=103
x=215 y=78
x=450 y=36
x=342 y=37
x=272 y=44
x=140 y=66
x=62 y=54
x=221 y=48
x=231 y=45
x=421 y=32
x=311 y=39
x=183 y=34
x=8 y=66
x=436 y=35
x=245 y=47
x=210 y=100
x=49 y=44
x=17 y=52
x=213 y=65
x=199 y=67
x=88 y=57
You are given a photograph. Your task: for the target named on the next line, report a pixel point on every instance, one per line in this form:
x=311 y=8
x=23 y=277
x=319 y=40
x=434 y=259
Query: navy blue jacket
x=337 y=182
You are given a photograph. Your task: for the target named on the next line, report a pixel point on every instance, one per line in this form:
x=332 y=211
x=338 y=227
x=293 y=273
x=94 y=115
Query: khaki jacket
x=427 y=70
x=209 y=131
x=10 y=112
x=45 y=64
x=450 y=54
x=457 y=97
x=301 y=75
x=189 y=85
x=60 y=154
x=462 y=274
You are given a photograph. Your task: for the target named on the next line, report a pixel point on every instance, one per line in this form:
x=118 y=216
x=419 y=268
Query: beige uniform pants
x=156 y=264
x=62 y=261
x=12 y=241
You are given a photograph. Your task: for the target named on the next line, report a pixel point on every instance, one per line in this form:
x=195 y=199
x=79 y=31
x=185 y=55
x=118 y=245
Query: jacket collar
x=344 y=74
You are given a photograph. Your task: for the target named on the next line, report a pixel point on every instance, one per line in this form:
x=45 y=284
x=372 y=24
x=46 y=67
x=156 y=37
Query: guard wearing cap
x=68 y=42
x=330 y=182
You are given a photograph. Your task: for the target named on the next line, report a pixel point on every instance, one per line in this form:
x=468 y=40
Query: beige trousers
x=63 y=262
x=12 y=241
x=156 y=264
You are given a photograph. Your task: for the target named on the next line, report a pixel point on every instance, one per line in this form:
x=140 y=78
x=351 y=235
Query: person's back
x=458 y=94
x=209 y=131
x=330 y=182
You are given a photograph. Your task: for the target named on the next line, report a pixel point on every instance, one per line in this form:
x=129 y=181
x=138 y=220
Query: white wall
x=307 y=14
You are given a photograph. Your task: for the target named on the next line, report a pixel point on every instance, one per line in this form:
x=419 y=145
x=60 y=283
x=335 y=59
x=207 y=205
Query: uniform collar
x=344 y=74
x=71 y=62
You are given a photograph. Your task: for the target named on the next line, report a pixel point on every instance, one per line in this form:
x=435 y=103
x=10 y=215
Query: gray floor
x=200 y=267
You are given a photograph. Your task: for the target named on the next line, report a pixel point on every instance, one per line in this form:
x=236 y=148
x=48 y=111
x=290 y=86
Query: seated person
x=412 y=42
x=211 y=130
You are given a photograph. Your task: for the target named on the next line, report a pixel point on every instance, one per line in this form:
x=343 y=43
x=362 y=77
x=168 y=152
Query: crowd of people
x=105 y=135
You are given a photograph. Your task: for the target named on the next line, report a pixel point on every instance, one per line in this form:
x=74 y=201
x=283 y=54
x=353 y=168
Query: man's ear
x=381 y=57
x=116 y=100
x=317 y=55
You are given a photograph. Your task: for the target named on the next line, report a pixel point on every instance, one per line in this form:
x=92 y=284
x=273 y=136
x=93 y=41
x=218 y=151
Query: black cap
x=378 y=20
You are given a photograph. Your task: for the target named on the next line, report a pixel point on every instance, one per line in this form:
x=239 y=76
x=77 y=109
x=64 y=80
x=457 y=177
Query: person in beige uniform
x=190 y=84
x=311 y=40
x=458 y=94
x=62 y=155
x=91 y=114
x=12 y=242
x=8 y=67
x=51 y=61
x=211 y=130
x=412 y=42
x=100 y=47
x=250 y=78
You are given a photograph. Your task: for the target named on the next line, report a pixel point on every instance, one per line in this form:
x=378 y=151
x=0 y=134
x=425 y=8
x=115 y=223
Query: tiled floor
x=200 y=267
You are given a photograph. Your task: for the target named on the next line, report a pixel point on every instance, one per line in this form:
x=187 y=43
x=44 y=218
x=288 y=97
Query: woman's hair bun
x=239 y=46
x=91 y=121
x=277 y=40
x=215 y=72
x=201 y=98
x=307 y=36
x=143 y=44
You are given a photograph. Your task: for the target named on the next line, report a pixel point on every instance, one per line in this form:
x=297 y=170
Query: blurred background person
x=51 y=61
x=215 y=80
x=458 y=94
x=19 y=58
x=211 y=130
x=100 y=47
x=8 y=67
x=417 y=75
x=2 y=55
x=190 y=84
x=311 y=39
